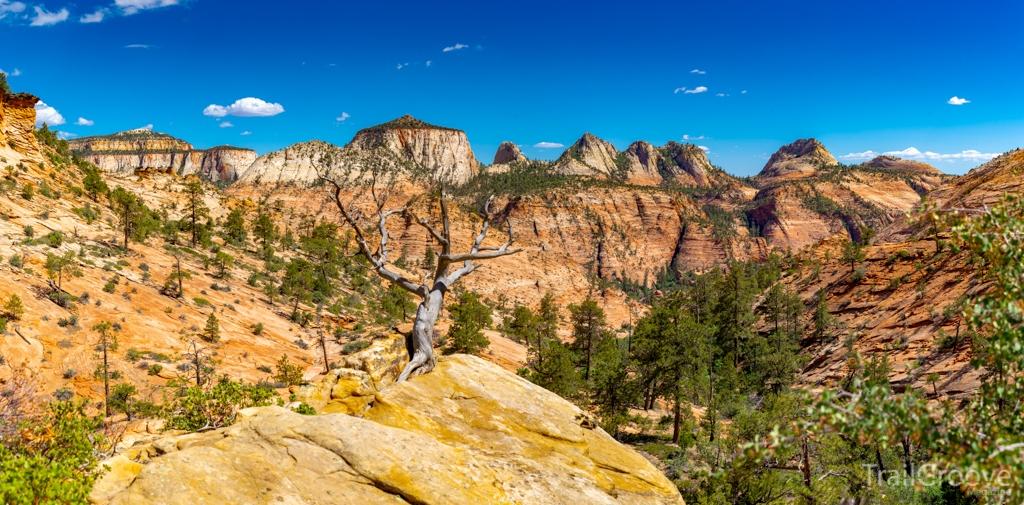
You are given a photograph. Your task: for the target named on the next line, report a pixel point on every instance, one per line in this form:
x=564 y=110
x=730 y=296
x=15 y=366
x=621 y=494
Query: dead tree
x=431 y=291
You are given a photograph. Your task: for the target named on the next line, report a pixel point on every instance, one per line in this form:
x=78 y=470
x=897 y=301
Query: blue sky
x=861 y=76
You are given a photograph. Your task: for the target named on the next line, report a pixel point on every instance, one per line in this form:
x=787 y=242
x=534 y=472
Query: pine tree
x=211 y=333
x=588 y=324
x=822 y=316
x=234 y=227
x=470 y=317
x=196 y=209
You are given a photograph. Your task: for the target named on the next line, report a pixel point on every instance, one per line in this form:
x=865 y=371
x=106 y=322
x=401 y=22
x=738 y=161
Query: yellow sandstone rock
x=468 y=432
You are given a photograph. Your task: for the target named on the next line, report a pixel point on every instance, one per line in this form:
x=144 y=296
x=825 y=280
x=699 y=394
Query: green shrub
x=354 y=346
x=194 y=408
x=202 y=302
x=288 y=373
x=305 y=410
x=155 y=368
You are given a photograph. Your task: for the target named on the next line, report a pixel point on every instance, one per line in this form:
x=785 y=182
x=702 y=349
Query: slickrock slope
x=468 y=432
x=800 y=159
x=17 y=122
x=897 y=310
x=142 y=150
x=444 y=152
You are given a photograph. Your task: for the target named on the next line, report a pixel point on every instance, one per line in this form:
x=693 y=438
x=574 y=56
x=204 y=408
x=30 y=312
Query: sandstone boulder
x=468 y=432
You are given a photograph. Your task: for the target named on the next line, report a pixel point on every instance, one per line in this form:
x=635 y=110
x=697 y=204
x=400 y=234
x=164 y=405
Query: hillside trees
x=58 y=267
x=133 y=217
x=374 y=175
x=234 y=229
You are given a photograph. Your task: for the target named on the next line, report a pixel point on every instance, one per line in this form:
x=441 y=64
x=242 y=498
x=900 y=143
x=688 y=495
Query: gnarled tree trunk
x=420 y=344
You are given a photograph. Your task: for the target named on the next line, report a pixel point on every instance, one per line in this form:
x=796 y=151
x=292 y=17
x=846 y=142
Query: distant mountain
x=144 y=150
x=800 y=159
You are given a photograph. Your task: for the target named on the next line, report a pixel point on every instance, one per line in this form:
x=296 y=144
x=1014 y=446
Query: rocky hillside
x=143 y=150
x=800 y=159
x=296 y=164
x=508 y=153
x=804 y=196
x=468 y=432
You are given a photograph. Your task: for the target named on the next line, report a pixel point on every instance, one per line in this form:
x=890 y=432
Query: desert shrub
x=257 y=329
x=305 y=410
x=354 y=346
x=155 y=368
x=195 y=408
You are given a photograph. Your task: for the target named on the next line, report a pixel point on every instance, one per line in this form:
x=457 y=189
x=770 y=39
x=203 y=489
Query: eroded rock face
x=589 y=156
x=444 y=152
x=142 y=150
x=689 y=165
x=797 y=160
x=508 y=153
x=468 y=432
x=17 y=124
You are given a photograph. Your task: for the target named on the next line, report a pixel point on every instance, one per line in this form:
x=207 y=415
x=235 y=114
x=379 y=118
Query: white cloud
x=130 y=7
x=138 y=46
x=147 y=127
x=687 y=137
x=744 y=92
x=227 y=124
x=957 y=100
x=704 y=148
x=698 y=72
x=84 y=122
x=16 y=73
x=95 y=17
x=721 y=94
x=45 y=18
x=912 y=153
x=48 y=115
x=246 y=132
x=245 y=107
x=7 y=6
x=342 y=117
x=399 y=66
x=66 y=135
x=456 y=47
x=866 y=155
x=428 y=63
x=687 y=91
x=548 y=145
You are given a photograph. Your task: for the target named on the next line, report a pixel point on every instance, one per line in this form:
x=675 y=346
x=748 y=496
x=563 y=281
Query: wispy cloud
x=428 y=63
x=912 y=153
x=704 y=148
x=16 y=73
x=48 y=115
x=246 y=132
x=721 y=94
x=548 y=145
x=957 y=100
x=342 y=117
x=129 y=7
x=138 y=46
x=66 y=135
x=245 y=107
x=95 y=17
x=456 y=47
x=744 y=92
x=46 y=18
x=7 y=6
x=84 y=122
x=227 y=124
x=687 y=137
x=698 y=72
x=687 y=91
x=147 y=127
